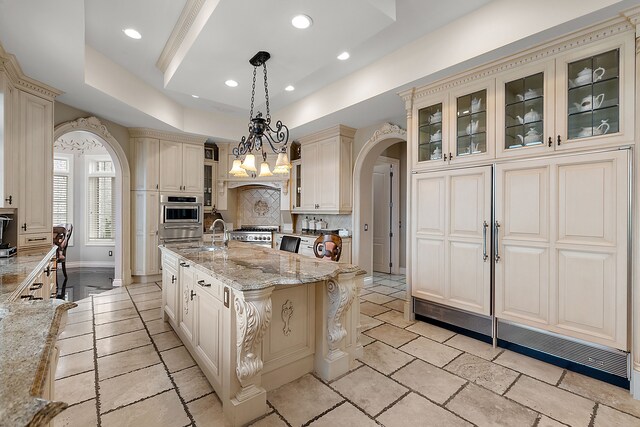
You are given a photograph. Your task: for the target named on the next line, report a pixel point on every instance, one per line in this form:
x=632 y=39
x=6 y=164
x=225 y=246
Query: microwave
x=180 y=209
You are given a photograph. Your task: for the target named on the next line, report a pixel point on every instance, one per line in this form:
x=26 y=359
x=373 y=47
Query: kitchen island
x=255 y=318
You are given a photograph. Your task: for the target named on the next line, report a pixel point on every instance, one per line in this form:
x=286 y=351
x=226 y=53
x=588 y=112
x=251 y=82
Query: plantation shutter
x=102 y=208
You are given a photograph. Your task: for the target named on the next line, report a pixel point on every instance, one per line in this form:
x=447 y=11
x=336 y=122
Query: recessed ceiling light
x=301 y=21
x=231 y=83
x=195 y=96
x=289 y=88
x=343 y=56
x=132 y=33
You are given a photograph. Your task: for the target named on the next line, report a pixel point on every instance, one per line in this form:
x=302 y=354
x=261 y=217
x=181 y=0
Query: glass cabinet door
x=430 y=133
x=524 y=112
x=593 y=102
x=471 y=126
x=208 y=187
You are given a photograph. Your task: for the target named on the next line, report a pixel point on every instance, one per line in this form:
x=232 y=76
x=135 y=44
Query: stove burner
x=258 y=228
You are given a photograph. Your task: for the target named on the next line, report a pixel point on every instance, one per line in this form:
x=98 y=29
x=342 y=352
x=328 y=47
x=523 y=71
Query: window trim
x=70 y=186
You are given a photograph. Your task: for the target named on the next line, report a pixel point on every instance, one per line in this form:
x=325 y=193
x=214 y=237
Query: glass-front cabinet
x=430 y=133
x=210 y=173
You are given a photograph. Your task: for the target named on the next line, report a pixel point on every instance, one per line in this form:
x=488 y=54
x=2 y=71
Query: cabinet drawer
x=35 y=239
x=210 y=285
x=171 y=260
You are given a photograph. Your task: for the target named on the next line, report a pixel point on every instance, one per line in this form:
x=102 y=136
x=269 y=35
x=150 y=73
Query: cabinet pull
x=48 y=270
x=444 y=158
x=226 y=297
x=36 y=298
x=559 y=140
x=184 y=264
x=24 y=226
x=39 y=239
x=173 y=279
x=193 y=294
x=484 y=241
x=36 y=286
x=550 y=141
x=201 y=283
x=27 y=297
x=9 y=199
x=496 y=243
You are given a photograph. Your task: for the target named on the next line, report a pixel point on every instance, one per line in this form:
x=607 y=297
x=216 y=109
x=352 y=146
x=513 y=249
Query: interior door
x=382 y=217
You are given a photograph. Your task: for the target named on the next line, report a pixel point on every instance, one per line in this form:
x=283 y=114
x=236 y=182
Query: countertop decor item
x=261 y=133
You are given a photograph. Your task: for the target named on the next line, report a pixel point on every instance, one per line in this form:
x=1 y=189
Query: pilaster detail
x=253 y=316
x=340 y=298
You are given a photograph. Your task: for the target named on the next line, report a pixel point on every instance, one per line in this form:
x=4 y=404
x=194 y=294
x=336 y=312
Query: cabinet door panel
x=170 y=292
x=429 y=206
x=467 y=277
x=209 y=332
x=525 y=204
x=586 y=292
x=587 y=210
x=310 y=175
x=170 y=166
x=187 y=280
x=526 y=272
x=192 y=170
x=428 y=269
x=468 y=204
x=328 y=176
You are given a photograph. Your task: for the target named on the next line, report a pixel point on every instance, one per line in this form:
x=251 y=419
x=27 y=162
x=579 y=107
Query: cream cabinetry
x=451 y=212
x=9 y=150
x=571 y=100
x=210 y=184
x=186 y=319
x=326 y=171
x=146 y=161
x=170 y=288
x=181 y=167
x=36 y=165
x=145 y=242
x=562 y=245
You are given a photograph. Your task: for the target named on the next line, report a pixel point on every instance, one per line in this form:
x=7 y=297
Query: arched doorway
x=122 y=275
x=382 y=139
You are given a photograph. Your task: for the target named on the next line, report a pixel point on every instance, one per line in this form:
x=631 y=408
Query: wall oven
x=180 y=218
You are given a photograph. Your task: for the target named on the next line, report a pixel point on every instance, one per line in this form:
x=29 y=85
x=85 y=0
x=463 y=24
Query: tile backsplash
x=259 y=206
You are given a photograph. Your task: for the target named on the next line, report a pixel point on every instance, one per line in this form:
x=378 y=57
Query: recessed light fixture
x=301 y=21
x=231 y=83
x=343 y=56
x=132 y=33
x=289 y=88
x=195 y=96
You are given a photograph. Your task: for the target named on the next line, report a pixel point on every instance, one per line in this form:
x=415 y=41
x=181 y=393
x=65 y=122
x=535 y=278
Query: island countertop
x=244 y=266
x=18 y=270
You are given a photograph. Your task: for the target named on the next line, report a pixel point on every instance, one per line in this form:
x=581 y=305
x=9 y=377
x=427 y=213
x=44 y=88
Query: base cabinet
x=186 y=319
x=208 y=332
x=170 y=289
x=146 y=259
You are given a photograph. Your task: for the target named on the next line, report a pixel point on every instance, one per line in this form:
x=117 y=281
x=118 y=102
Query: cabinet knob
x=9 y=199
x=24 y=226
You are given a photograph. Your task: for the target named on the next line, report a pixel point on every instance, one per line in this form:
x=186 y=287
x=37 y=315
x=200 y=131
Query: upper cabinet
x=8 y=147
x=326 y=171
x=572 y=100
x=146 y=160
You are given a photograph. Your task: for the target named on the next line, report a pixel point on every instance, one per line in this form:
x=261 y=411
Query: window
x=101 y=200
x=62 y=188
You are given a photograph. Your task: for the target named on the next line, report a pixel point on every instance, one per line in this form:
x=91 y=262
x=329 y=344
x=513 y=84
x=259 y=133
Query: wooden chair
x=328 y=246
x=290 y=244
x=61 y=237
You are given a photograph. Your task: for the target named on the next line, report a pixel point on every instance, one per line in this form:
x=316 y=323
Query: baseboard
x=368 y=280
x=117 y=283
x=91 y=264
x=635 y=384
x=402 y=270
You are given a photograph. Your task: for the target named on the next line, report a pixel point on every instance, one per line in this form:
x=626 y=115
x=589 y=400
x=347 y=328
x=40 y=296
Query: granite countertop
x=19 y=270
x=25 y=353
x=244 y=266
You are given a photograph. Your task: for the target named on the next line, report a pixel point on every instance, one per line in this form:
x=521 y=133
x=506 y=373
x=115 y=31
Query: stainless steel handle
x=484 y=241
x=180 y=227
x=206 y=285
x=173 y=279
x=184 y=264
x=496 y=244
x=193 y=294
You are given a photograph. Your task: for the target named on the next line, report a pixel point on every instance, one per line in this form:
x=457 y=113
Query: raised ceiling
x=190 y=47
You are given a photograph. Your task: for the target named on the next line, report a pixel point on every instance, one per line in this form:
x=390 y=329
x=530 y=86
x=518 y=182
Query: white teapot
x=436 y=136
x=601 y=129
x=437 y=154
x=587 y=76
x=435 y=117
x=530 y=93
x=531 y=137
x=531 y=116
x=476 y=105
x=472 y=127
x=590 y=102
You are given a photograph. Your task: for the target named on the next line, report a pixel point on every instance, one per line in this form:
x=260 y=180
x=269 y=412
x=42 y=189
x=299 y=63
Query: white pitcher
x=472 y=127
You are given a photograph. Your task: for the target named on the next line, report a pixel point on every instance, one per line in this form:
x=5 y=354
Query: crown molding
x=10 y=65
x=187 y=18
x=338 y=130
x=167 y=136
x=614 y=27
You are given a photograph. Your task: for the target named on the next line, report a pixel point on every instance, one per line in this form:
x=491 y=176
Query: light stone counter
x=244 y=266
x=28 y=332
x=18 y=271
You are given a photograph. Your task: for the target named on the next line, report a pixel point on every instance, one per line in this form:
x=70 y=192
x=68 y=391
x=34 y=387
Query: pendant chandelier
x=262 y=137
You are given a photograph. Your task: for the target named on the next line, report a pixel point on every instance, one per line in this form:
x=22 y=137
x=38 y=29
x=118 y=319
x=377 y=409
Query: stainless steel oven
x=180 y=218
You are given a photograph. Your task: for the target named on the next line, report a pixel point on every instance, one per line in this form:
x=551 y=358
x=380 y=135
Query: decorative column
x=408 y=97
x=335 y=297
x=253 y=315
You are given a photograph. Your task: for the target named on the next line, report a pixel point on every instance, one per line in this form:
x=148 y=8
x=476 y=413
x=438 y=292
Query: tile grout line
x=275 y=411
x=323 y=413
x=175 y=386
x=95 y=365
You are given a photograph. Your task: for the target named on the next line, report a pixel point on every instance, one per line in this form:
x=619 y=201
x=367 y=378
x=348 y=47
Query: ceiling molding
x=187 y=18
x=339 y=130
x=167 y=136
x=10 y=65
x=608 y=29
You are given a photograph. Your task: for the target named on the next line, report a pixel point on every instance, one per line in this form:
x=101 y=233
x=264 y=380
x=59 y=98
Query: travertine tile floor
x=121 y=365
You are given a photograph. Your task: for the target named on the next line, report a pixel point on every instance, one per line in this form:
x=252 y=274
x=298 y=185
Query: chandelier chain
x=253 y=93
x=266 y=92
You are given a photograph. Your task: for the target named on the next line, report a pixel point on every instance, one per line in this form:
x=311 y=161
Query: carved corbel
x=340 y=298
x=253 y=315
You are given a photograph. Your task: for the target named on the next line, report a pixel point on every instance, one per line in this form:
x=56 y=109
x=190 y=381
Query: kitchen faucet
x=225 y=235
